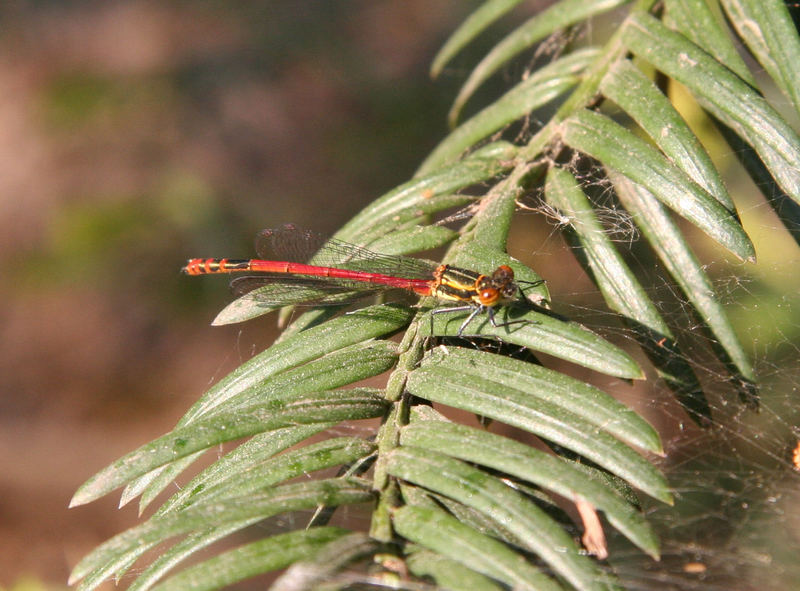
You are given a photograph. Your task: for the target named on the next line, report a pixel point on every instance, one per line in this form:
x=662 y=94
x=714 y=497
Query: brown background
x=134 y=135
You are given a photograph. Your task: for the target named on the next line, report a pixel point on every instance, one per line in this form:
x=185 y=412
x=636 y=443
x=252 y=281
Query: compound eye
x=488 y=296
x=503 y=273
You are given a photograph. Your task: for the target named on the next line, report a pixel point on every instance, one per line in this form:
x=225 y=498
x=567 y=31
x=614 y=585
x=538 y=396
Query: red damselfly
x=339 y=271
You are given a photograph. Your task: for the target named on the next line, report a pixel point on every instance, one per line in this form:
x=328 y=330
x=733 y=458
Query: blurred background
x=137 y=134
x=134 y=135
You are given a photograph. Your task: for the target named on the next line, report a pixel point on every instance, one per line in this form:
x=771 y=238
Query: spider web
x=736 y=519
x=735 y=523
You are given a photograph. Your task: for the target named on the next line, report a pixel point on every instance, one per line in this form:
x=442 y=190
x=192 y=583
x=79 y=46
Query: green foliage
x=456 y=504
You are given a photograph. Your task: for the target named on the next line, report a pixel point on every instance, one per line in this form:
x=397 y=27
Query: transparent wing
x=293 y=244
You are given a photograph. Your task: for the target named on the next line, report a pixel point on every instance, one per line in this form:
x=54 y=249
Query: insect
x=340 y=272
